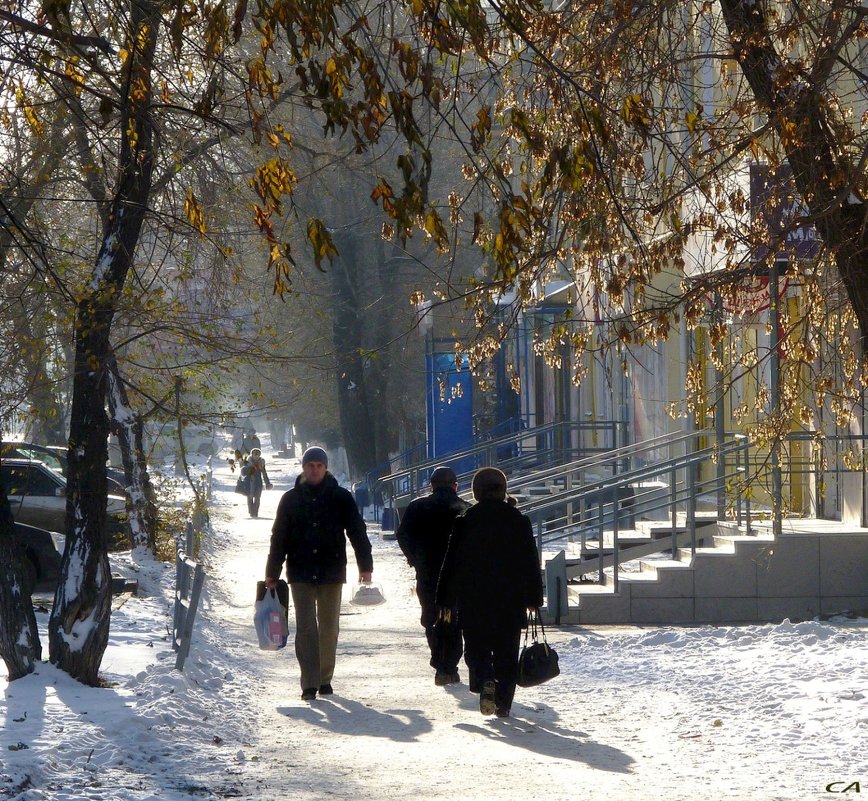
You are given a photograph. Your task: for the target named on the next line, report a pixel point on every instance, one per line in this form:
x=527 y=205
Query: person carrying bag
x=491 y=578
x=537 y=662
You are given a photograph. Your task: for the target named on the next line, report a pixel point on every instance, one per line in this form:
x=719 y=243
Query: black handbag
x=537 y=662
x=242 y=487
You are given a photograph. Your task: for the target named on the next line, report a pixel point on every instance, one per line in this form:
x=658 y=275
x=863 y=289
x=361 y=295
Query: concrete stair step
x=660 y=528
x=575 y=592
x=734 y=540
x=656 y=566
x=721 y=550
x=592 y=547
x=638 y=577
x=741 y=578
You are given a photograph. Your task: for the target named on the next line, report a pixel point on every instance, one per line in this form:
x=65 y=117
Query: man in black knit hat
x=311 y=526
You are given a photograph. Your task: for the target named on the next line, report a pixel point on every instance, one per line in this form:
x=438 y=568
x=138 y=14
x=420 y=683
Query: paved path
x=388 y=733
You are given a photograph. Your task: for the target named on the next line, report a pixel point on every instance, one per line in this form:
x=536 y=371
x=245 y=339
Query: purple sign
x=777 y=215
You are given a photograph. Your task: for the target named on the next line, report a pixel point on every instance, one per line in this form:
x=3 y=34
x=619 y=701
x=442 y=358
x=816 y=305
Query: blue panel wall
x=449 y=407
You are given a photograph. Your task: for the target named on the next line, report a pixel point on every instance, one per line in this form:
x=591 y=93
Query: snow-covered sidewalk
x=772 y=712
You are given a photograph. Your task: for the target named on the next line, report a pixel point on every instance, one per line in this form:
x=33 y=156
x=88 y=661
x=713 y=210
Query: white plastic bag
x=269 y=617
x=366 y=593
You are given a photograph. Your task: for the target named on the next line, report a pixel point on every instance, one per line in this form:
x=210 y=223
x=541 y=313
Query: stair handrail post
x=775 y=392
x=819 y=461
x=747 y=502
x=539 y=535
x=673 y=500
x=739 y=472
x=719 y=421
x=583 y=535
x=691 y=507
x=615 y=539
x=600 y=526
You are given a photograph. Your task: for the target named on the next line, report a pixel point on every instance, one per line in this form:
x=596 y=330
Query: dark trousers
x=253 y=498
x=491 y=652
x=446 y=645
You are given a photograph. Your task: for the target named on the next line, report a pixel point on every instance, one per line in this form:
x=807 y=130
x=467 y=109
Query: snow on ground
x=740 y=712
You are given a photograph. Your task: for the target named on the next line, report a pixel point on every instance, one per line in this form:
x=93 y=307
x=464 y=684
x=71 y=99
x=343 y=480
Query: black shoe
x=442 y=678
x=325 y=689
x=486 y=698
x=501 y=712
x=308 y=694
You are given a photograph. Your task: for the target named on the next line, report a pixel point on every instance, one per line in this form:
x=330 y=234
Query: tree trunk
x=140 y=496
x=79 y=623
x=823 y=177
x=356 y=414
x=19 y=636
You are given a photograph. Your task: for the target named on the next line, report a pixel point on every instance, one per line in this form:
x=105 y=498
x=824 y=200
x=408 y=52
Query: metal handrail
x=617 y=457
x=643 y=473
x=566 y=513
x=412 y=481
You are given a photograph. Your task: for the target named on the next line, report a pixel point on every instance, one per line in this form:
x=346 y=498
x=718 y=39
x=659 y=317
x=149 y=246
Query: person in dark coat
x=423 y=535
x=491 y=575
x=311 y=526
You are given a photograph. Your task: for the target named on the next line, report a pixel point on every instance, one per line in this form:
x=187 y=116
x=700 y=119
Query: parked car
x=55 y=457
x=37 y=495
x=43 y=551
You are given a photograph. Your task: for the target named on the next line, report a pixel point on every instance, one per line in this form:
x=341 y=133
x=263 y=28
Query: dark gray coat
x=310 y=532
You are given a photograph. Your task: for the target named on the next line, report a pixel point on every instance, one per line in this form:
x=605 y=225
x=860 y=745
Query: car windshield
x=42 y=456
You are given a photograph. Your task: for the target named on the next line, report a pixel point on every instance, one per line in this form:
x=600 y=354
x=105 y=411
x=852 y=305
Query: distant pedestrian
x=491 y=575
x=423 y=535
x=257 y=475
x=309 y=534
x=249 y=442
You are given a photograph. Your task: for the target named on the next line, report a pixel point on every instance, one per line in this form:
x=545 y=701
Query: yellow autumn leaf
x=321 y=242
x=194 y=212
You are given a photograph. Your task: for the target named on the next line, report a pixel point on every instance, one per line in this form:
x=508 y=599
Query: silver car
x=37 y=495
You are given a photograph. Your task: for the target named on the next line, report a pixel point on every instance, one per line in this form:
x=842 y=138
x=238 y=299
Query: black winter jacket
x=308 y=534
x=491 y=572
x=424 y=532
